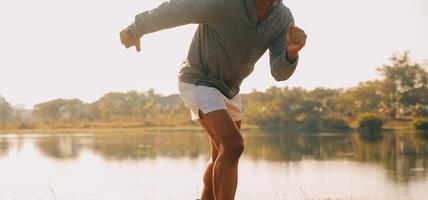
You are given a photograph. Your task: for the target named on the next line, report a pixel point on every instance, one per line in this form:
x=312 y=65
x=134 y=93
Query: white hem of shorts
x=208 y=99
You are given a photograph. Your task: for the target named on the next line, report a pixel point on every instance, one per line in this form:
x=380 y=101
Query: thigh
x=221 y=127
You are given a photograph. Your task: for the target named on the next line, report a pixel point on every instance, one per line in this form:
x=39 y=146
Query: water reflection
x=59 y=147
x=4 y=146
x=403 y=155
x=150 y=145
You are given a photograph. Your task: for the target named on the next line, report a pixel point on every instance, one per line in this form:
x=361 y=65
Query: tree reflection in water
x=4 y=146
x=404 y=155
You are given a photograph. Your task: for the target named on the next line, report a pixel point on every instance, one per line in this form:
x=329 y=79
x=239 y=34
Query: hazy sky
x=71 y=49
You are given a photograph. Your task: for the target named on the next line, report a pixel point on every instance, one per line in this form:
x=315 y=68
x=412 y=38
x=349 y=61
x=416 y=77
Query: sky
x=71 y=49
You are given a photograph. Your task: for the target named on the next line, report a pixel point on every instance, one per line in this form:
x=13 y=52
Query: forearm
x=283 y=67
x=283 y=62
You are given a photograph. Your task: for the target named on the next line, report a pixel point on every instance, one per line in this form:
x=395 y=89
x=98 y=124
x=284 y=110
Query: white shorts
x=208 y=99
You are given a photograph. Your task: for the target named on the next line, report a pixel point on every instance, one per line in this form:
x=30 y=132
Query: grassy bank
x=397 y=125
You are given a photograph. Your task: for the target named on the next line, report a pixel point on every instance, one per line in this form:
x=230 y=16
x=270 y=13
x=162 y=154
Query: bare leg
x=208 y=190
x=224 y=132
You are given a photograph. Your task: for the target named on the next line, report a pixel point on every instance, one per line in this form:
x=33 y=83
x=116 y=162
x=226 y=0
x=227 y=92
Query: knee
x=232 y=148
x=207 y=178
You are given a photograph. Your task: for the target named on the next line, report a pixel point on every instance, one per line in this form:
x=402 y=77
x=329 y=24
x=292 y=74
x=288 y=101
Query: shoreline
x=111 y=129
x=396 y=125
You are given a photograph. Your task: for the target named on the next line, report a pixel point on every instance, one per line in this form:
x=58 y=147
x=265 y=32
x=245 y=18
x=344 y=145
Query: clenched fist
x=295 y=40
x=129 y=38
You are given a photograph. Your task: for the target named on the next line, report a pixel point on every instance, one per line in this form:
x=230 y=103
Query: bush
x=370 y=123
x=421 y=124
x=309 y=124
x=334 y=124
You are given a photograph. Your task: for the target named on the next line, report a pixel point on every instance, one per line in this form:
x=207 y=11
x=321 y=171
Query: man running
x=231 y=37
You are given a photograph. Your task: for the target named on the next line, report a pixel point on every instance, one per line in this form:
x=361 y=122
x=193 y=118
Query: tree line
x=401 y=93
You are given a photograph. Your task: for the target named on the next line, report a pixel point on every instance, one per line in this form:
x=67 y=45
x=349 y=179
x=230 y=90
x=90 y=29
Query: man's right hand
x=129 y=39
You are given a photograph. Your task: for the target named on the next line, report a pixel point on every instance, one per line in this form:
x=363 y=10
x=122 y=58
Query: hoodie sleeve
x=175 y=13
x=280 y=68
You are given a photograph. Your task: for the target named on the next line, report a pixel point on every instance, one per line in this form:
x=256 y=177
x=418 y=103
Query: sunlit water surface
x=140 y=166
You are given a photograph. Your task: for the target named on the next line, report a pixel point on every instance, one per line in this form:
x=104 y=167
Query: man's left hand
x=295 y=40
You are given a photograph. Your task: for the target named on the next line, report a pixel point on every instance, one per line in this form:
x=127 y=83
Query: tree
x=6 y=111
x=65 y=110
x=363 y=98
x=283 y=108
x=400 y=76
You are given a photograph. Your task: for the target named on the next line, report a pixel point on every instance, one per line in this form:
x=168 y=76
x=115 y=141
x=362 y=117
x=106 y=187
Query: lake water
x=169 y=165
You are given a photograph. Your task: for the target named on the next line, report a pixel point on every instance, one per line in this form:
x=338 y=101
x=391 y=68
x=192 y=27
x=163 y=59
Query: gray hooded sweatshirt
x=228 y=41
